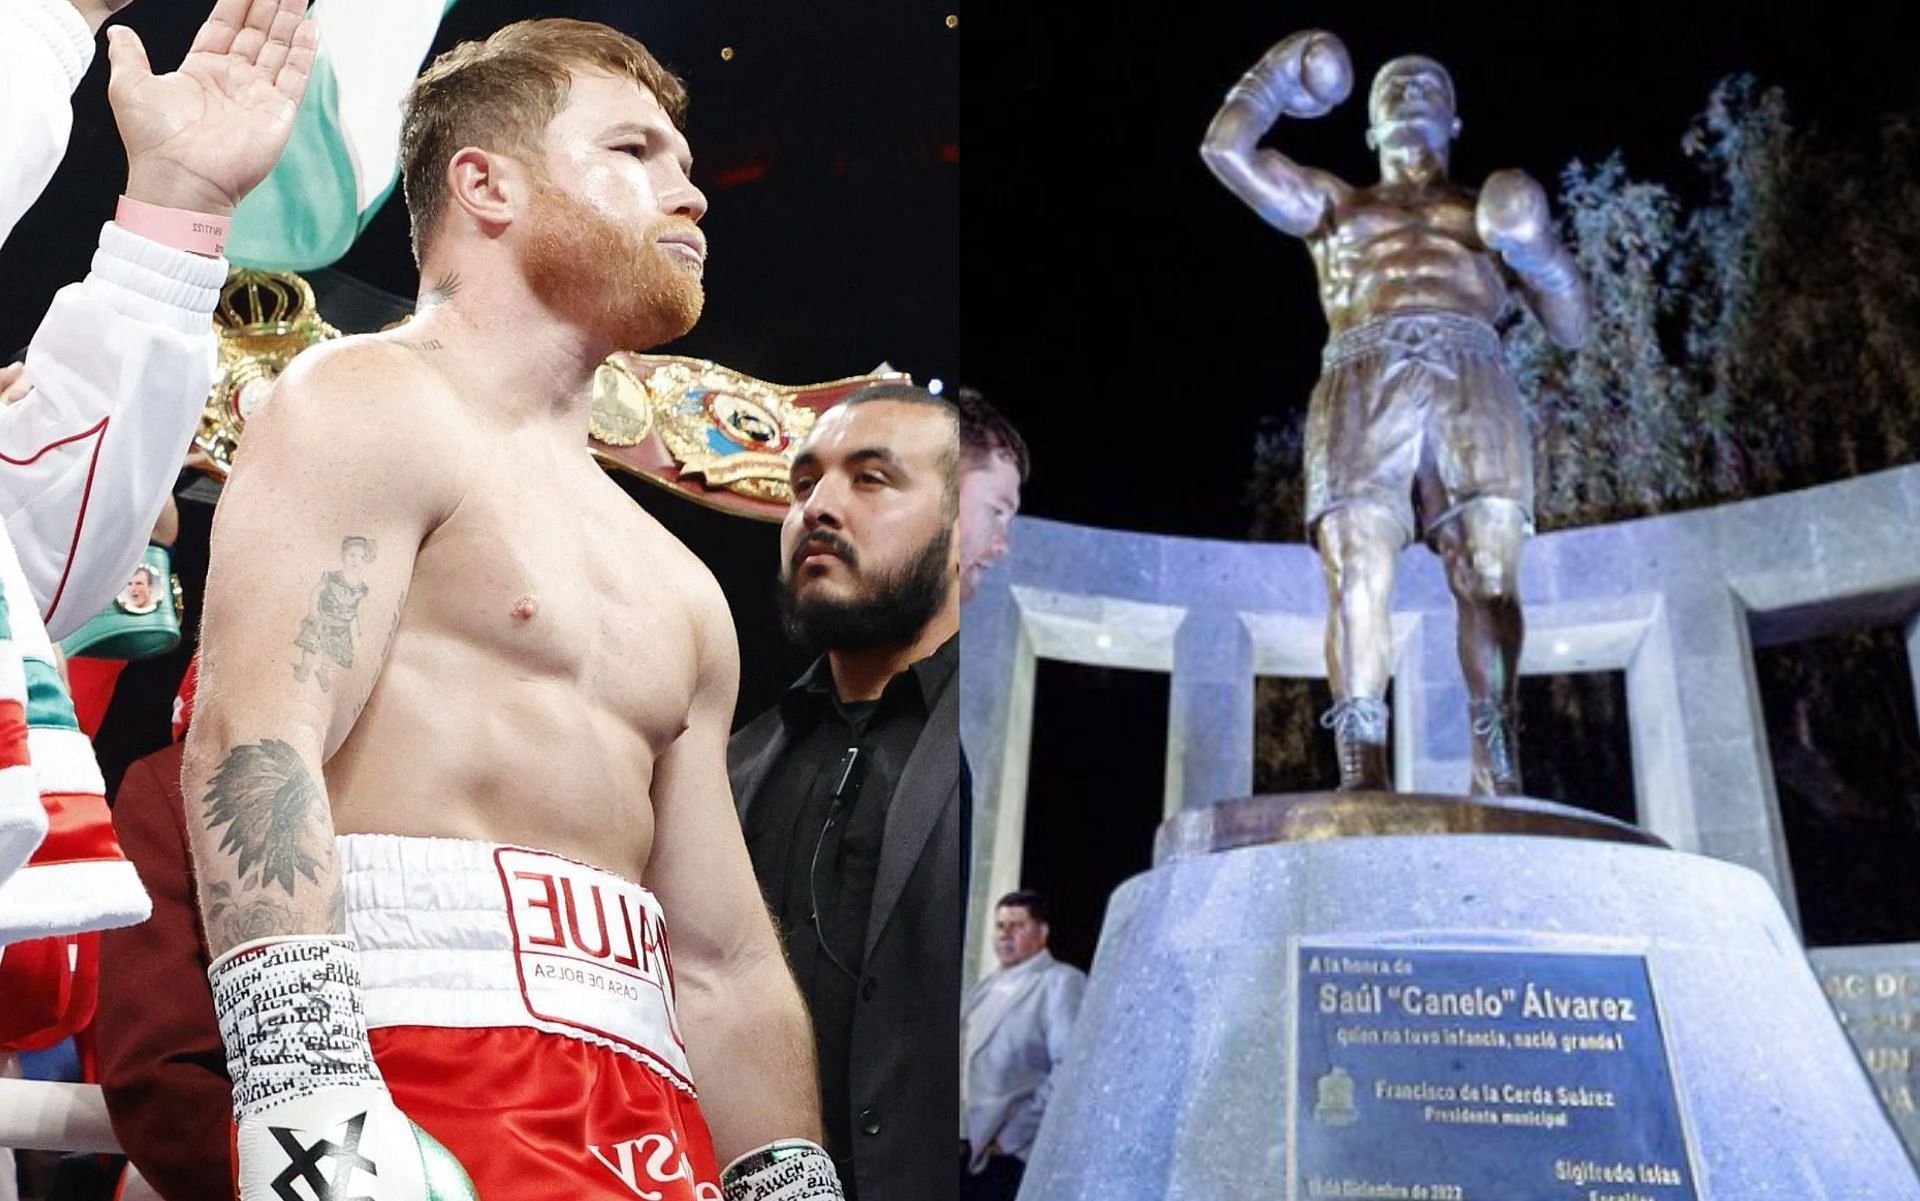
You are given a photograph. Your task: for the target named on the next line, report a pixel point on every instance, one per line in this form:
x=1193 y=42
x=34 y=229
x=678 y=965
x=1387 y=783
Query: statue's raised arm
x=1305 y=75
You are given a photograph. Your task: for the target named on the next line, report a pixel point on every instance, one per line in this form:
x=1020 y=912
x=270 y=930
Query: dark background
x=1130 y=295
x=828 y=149
x=1137 y=322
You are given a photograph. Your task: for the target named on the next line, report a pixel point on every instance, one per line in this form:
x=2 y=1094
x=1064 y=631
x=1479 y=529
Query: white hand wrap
x=291 y=1018
x=789 y=1170
x=314 y=1121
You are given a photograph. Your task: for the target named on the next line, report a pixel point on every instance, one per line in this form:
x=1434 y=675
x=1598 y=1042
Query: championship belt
x=264 y=319
x=716 y=436
x=141 y=622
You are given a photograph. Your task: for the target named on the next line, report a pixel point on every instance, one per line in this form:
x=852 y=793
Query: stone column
x=1210 y=734
x=1694 y=676
x=996 y=722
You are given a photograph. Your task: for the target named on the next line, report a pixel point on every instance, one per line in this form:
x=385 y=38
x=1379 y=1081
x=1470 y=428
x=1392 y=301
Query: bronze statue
x=1415 y=427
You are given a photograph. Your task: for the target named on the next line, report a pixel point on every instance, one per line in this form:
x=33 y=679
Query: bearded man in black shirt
x=849 y=788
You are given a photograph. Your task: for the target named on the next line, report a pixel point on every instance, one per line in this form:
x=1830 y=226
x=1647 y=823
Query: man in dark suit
x=849 y=788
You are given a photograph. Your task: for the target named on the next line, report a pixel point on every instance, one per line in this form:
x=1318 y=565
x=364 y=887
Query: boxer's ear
x=489 y=188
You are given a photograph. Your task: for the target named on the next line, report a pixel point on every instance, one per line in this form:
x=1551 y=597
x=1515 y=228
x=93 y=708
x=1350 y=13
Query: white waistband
x=476 y=934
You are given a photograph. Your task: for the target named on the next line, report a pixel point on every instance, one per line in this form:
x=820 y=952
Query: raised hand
x=1305 y=75
x=201 y=137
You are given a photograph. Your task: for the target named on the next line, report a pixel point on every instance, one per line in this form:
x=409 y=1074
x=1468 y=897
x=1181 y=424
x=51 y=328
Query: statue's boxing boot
x=1359 y=726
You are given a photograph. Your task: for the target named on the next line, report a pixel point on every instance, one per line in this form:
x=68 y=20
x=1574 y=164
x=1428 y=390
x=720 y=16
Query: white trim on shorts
x=442 y=943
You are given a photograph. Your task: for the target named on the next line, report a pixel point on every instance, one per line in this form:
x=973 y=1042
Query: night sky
x=1126 y=286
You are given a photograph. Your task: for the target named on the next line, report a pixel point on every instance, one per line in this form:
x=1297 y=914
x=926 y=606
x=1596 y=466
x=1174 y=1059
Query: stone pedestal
x=1432 y=998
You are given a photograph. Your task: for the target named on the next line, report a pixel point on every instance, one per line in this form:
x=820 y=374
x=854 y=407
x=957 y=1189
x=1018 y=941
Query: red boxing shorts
x=521 y=1009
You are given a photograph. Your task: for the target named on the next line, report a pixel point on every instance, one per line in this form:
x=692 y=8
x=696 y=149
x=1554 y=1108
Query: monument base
x=1374 y=996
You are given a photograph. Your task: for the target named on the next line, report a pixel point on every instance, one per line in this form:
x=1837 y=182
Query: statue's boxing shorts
x=521 y=1009
x=1415 y=413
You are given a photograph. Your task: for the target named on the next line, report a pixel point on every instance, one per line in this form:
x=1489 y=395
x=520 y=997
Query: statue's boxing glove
x=1305 y=75
x=789 y=1170
x=1512 y=215
x=313 y=1119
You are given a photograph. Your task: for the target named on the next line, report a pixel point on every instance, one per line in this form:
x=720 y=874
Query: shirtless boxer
x=513 y=782
x=1415 y=427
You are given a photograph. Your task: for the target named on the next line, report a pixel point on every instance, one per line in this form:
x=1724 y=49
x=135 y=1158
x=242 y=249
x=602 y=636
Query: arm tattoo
x=328 y=630
x=266 y=799
x=393 y=631
x=231 y=922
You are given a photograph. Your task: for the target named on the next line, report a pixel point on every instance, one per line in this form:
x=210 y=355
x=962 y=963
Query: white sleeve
x=120 y=366
x=1064 y=994
x=45 y=47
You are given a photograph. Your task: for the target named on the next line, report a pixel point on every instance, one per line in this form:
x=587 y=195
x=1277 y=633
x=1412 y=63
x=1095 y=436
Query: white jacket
x=1015 y=1026
x=121 y=364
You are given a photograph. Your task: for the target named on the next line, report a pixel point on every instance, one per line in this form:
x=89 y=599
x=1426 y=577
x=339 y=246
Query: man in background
x=1016 y=1023
x=162 y=1066
x=993 y=465
x=849 y=788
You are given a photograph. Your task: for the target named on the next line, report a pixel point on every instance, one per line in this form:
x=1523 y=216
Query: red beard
x=606 y=277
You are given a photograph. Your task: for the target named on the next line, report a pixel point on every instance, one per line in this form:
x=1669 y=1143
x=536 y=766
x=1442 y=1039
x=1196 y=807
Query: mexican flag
x=343 y=157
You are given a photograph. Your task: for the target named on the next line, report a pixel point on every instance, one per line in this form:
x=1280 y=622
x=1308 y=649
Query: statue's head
x=1411 y=107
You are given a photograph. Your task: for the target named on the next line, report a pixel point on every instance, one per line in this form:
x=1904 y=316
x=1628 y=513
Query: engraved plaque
x=1875 y=991
x=1426 y=1074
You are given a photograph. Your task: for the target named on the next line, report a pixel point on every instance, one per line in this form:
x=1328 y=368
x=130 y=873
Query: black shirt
x=810 y=845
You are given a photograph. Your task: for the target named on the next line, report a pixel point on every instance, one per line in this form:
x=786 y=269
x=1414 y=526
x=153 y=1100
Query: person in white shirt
x=120 y=367
x=99 y=417
x=96 y=422
x=1015 y=1029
